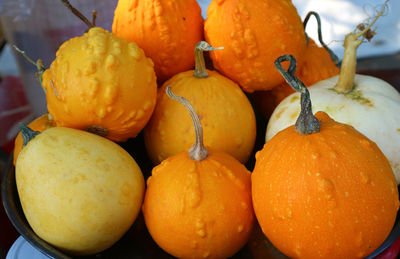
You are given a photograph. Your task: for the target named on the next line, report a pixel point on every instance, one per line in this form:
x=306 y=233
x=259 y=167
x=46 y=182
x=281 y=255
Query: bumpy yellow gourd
x=79 y=192
x=101 y=83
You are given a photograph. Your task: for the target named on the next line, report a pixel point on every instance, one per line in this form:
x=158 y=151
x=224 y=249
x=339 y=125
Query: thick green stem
x=27 y=133
x=306 y=123
x=334 y=58
x=200 y=70
x=77 y=13
x=352 y=40
x=197 y=152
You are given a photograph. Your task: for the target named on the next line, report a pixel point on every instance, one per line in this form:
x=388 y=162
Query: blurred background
x=39 y=27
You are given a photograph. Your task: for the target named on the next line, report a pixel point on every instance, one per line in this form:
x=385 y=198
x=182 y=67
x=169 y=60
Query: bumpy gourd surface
x=79 y=192
x=373 y=108
x=330 y=194
x=226 y=115
x=166 y=30
x=199 y=209
x=253 y=34
x=101 y=80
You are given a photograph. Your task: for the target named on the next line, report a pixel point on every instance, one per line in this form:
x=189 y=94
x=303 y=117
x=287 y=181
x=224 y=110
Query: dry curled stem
x=352 y=41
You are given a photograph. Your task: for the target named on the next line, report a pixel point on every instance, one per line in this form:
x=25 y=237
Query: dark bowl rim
x=12 y=208
x=14 y=212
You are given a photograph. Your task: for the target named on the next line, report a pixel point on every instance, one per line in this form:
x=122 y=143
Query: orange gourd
x=226 y=114
x=166 y=30
x=321 y=189
x=101 y=83
x=40 y=124
x=254 y=33
x=318 y=63
x=198 y=203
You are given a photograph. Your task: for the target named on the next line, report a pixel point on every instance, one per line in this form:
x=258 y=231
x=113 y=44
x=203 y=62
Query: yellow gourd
x=224 y=110
x=79 y=192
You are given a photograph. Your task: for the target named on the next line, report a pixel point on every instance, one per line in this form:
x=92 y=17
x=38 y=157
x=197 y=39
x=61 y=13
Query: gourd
x=167 y=31
x=79 y=192
x=226 y=114
x=198 y=203
x=320 y=188
x=253 y=34
x=101 y=83
x=39 y=124
x=369 y=104
x=318 y=63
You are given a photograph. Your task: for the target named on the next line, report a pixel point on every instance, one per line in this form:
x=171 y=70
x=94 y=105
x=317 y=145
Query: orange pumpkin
x=101 y=83
x=39 y=124
x=321 y=189
x=226 y=114
x=253 y=34
x=318 y=63
x=198 y=204
x=166 y=30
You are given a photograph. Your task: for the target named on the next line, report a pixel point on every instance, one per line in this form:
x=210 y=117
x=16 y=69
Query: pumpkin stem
x=334 y=58
x=306 y=123
x=94 y=17
x=38 y=64
x=352 y=40
x=197 y=152
x=78 y=14
x=27 y=133
x=200 y=70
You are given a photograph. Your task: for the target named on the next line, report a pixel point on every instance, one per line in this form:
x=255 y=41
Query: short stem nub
x=27 y=133
x=200 y=70
x=197 y=152
x=306 y=123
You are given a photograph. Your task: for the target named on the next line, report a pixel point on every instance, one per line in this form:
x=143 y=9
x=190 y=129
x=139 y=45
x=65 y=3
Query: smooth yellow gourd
x=79 y=192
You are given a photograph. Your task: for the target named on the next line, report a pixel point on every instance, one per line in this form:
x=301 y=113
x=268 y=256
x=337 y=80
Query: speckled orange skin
x=226 y=115
x=253 y=34
x=317 y=65
x=101 y=80
x=166 y=30
x=330 y=194
x=39 y=124
x=199 y=209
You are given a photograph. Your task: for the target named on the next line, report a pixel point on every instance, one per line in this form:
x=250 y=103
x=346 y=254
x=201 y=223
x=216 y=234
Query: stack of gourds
x=319 y=187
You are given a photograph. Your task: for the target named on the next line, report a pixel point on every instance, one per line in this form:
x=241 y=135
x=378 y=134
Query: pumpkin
x=167 y=31
x=321 y=189
x=254 y=33
x=226 y=114
x=198 y=203
x=101 y=83
x=79 y=192
x=369 y=104
x=318 y=63
x=40 y=124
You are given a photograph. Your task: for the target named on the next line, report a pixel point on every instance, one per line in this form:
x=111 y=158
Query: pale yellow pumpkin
x=79 y=192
